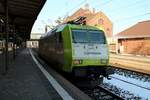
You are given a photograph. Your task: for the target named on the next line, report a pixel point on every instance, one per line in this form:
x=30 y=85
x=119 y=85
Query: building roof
x=140 y=30
x=81 y=12
x=78 y=13
x=93 y=18
x=22 y=14
x=100 y=13
x=100 y=20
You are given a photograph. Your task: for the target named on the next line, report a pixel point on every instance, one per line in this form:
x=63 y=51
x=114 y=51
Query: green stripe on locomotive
x=68 y=49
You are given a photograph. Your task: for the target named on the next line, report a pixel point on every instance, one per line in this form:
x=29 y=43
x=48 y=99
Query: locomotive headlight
x=77 y=62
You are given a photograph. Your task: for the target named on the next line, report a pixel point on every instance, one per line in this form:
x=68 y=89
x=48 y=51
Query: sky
x=122 y=13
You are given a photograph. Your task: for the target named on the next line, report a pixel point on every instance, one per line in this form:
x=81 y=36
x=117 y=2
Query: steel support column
x=14 y=38
x=6 y=38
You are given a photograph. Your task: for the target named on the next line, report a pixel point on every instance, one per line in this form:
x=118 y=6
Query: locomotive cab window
x=88 y=36
x=79 y=36
x=96 y=37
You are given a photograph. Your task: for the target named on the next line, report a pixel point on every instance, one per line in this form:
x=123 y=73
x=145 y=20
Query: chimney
x=86 y=6
x=94 y=10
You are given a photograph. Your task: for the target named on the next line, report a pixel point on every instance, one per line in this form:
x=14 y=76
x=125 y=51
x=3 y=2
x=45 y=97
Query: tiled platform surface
x=24 y=81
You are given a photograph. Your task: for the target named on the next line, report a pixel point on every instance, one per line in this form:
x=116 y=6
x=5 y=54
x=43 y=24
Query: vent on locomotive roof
x=79 y=21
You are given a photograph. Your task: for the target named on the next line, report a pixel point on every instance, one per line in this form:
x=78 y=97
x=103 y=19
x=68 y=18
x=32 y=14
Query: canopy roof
x=22 y=14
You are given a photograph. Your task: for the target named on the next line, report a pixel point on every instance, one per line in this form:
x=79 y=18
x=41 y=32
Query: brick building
x=93 y=18
x=135 y=40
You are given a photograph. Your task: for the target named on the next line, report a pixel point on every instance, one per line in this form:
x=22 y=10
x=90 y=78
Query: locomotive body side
x=55 y=48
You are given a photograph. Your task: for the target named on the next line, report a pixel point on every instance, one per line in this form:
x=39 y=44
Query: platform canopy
x=21 y=15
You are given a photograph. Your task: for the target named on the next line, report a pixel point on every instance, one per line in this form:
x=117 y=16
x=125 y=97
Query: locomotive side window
x=60 y=38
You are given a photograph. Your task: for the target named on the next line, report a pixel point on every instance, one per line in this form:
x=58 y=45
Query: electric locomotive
x=81 y=50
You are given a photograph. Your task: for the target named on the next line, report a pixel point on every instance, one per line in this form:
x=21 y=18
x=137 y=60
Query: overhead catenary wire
x=127 y=6
x=79 y=5
x=118 y=9
x=139 y=2
x=104 y=4
x=131 y=17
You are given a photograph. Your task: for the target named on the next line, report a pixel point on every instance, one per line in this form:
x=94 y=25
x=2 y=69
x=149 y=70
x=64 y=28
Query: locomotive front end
x=90 y=53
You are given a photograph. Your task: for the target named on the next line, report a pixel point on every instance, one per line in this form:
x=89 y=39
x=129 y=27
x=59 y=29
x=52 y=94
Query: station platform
x=131 y=62
x=25 y=81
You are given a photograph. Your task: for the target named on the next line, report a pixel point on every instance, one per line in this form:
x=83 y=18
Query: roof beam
x=28 y=2
x=2 y=1
x=22 y=9
x=17 y=15
x=22 y=14
x=26 y=5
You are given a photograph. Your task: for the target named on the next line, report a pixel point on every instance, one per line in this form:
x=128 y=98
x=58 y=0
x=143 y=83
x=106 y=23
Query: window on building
x=101 y=21
x=108 y=29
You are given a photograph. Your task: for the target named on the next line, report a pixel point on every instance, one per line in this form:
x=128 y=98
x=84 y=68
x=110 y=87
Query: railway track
x=108 y=92
x=101 y=93
x=130 y=80
x=132 y=74
x=130 y=83
x=121 y=93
